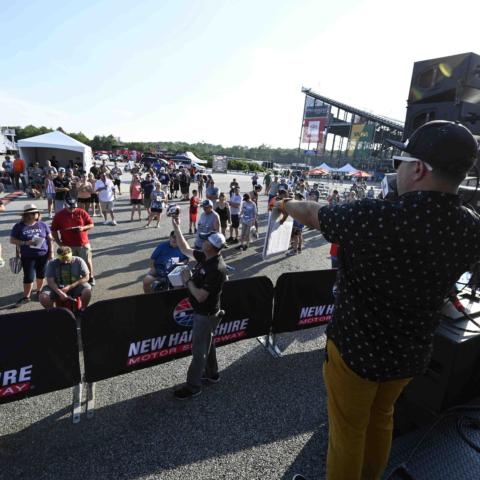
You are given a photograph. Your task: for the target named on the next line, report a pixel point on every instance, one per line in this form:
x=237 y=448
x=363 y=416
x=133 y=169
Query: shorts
x=106 y=206
x=84 y=252
x=117 y=182
x=83 y=200
x=58 y=205
x=136 y=201
x=74 y=293
x=34 y=267
x=156 y=210
x=193 y=217
x=94 y=198
x=147 y=202
x=235 y=220
x=223 y=223
x=50 y=195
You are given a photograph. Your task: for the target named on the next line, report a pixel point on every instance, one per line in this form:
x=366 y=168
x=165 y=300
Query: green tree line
x=264 y=153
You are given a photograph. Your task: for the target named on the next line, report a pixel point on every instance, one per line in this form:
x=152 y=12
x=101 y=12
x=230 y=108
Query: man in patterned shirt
x=397 y=262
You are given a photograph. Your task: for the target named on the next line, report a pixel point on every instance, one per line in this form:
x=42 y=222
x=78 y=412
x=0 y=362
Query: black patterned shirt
x=398 y=261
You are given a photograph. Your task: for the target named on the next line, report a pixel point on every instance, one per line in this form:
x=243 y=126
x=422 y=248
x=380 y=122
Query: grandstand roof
x=396 y=124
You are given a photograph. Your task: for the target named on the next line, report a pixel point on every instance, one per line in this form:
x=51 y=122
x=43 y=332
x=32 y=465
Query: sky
x=225 y=72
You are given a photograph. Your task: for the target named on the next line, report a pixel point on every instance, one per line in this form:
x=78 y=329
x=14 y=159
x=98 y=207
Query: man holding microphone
x=204 y=287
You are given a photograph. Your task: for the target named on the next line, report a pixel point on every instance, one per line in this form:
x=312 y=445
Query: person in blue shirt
x=163 y=260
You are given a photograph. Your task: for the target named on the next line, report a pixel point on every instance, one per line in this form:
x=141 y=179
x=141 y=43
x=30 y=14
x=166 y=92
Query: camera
x=173 y=210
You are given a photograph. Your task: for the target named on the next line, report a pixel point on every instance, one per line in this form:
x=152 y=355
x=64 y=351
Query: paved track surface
x=266 y=419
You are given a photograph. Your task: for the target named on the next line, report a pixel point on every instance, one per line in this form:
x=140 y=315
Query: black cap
x=70 y=202
x=447 y=146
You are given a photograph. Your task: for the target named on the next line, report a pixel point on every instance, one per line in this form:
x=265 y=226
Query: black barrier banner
x=303 y=300
x=127 y=334
x=38 y=353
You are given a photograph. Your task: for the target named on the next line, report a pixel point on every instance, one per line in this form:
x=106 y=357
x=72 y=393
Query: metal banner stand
x=270 y=344
x=90 y=399
x=77 y=403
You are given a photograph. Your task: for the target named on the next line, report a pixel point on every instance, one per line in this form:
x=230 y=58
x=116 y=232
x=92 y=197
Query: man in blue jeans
x=204 y=290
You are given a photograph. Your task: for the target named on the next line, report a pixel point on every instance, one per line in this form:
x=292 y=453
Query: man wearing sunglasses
x=397 y=262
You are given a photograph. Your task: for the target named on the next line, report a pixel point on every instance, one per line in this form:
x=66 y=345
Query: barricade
x=39 y=354
x=302 y=300
x=127 y=334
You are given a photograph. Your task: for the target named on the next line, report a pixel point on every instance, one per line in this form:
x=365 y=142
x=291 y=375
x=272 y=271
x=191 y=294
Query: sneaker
x=235 y=240
x=92 y=281
x=106 y=223
x=230 y=240
x=244 y=247
x=290 y=253
x=240 y=247
x=23 y=301
x=184 y=393
x=2 y=262
x=114 y=223
x=212 y=379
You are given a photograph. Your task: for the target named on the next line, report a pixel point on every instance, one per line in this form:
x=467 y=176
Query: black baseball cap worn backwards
x=447 y=146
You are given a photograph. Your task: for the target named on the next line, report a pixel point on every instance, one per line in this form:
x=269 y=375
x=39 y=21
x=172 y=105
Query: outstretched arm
x=304 y=212
x=181 y=242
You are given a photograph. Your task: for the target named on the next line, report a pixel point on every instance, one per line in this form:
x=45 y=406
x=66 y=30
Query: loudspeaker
x=453 y=375
x=446 y=88
x=467 y=114
x=444 y=79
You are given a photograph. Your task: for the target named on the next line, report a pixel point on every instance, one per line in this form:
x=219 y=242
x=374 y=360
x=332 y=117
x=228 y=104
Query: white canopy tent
x=326 y=167
x=55 y=144
x=347 y=169
x=195 y=159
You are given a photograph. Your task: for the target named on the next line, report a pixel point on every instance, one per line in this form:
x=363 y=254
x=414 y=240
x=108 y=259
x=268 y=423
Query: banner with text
x=313 y=130
x=361 y=138
x=303 y=300
x=131 y=333
x=219 y=164
x=38 y=353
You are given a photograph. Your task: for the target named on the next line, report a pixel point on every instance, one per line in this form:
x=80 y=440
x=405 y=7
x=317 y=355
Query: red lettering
x=230 y=336
x=311 y=320
x=152 y=356
x=14 y=389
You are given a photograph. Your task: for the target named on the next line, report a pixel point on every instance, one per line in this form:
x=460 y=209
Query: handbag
x=16 y=262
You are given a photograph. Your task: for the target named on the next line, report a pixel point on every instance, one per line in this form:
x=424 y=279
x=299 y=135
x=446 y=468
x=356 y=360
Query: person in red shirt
x=70 y=228
x=194 y=202
x=18 y=169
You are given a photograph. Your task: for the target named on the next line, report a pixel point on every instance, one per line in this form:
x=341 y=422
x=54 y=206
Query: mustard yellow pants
x=360 y=419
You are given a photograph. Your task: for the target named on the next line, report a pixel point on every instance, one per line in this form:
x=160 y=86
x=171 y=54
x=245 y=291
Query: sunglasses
x=397 y=160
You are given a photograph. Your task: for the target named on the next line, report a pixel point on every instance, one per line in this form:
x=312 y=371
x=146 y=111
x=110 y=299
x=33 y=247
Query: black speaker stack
x=446 y=88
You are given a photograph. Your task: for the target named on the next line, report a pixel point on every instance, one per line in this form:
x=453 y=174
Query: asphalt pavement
x=266 y=419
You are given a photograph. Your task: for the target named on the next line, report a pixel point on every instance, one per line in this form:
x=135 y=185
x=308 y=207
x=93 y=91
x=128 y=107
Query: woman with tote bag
x=33 y=240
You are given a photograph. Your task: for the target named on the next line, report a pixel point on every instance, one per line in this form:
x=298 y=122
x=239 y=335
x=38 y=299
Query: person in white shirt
x=235 y=205
x=106 y=194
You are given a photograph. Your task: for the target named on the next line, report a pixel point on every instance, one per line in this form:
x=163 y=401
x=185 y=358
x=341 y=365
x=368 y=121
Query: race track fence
x=122 y=335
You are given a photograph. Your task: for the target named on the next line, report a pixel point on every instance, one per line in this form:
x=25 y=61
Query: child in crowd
x=159 y=198
x=194 y=202
x=296 y=239
x=223 y=210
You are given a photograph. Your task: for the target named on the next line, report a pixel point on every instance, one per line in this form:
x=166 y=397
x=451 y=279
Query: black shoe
x=229 y=239
x=23 y=300
x=184 y=393
x=235 y=240
x=240 y=247
x=92 y=281
x=244 y=247
x=212 y=379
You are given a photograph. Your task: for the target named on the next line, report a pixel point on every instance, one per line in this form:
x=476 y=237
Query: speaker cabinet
x=446 y=88
x=467 y=114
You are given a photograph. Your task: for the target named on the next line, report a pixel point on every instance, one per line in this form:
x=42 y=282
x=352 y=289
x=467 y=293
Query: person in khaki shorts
x=70 y=228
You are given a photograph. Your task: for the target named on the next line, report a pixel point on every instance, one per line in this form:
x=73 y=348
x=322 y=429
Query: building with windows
x=337 y=134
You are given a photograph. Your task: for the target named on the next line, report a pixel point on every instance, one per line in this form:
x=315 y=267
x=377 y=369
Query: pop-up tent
x=55 y=144
x=326 y=167
x=346 y=169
